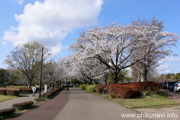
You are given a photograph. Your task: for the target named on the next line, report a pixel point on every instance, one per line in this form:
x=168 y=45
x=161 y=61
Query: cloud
x=4 y=43
x=168 y=65
x=56 y=49
x=172 y=59
x=50 y=21
x=164 y=67
x=164 y=71
x=20 y=1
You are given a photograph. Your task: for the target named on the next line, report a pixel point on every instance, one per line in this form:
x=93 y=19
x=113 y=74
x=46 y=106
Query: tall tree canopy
x=26 y=59
x=159 y=44
x=119 y=47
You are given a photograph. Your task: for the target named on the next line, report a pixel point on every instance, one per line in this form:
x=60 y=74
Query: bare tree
x=26 y=59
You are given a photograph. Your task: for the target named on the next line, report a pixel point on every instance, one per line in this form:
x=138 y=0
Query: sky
x=57 y=23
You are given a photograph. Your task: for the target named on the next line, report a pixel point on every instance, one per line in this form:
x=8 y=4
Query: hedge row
x=9 y=91
x=89 y=88
x=3 y=91
x=4 y=113
x=50 y=93
x=23 y=105
x=127 y=90
x=15 y=91
x=26 y=90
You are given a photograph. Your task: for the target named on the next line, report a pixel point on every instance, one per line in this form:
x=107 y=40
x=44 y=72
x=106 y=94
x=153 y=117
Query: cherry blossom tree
x=88 y=71
x=54 y=72
x=114 y=46
x=159 y=44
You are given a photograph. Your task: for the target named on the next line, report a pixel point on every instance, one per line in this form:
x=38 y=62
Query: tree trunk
x=53 y=85
x=145 y=74
x=115 y=77
x=106 y=78
x=29 y=82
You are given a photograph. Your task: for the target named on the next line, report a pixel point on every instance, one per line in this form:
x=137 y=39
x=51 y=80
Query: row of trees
x=168 y=77
x=99 y=54
x=24 y=66
x=103 y=51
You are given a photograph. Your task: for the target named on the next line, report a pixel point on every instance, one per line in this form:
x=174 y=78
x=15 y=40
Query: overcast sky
x=56 y=23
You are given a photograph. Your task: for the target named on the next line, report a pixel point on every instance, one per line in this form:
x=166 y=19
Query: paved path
x=47 y=110
x=86 y=106
x=77 y=104
x=23 y=98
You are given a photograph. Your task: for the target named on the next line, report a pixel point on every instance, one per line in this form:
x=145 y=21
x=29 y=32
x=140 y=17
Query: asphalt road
x=86 y=106
x=77 y=104
x=47 y=110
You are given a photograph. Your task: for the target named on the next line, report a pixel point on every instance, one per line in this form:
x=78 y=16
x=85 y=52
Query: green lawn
x=152 y=101
x=6 y=97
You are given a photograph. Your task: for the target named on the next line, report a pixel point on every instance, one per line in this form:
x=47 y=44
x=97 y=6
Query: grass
x=6 y=98
x=154 y=100
x=151 y=101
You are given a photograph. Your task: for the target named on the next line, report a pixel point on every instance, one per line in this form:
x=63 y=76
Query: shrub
x=131 y=90
x=12 y=91
x=3 y=91
x=101 y=89
x=82 y=87
x=7 y=112
x=23 y=105
x=151 y=86
x=40 y=99
x=26 y=90
x=51 y=93
x=89 y=88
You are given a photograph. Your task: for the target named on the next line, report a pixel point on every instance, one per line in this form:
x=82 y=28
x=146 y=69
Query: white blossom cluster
x=114 y=47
